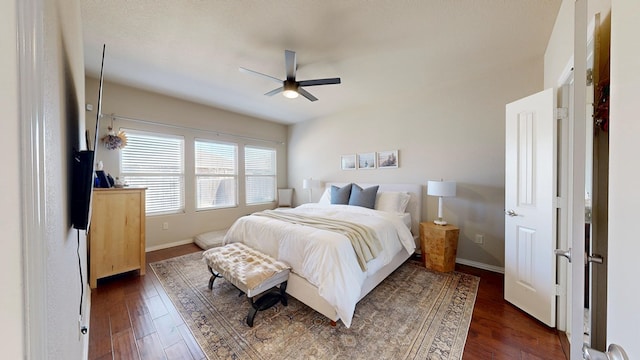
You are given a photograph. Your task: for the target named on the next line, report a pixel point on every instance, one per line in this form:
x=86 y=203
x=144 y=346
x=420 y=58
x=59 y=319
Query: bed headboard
x=415 y=202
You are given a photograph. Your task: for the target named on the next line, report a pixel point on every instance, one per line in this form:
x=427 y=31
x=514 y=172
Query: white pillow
x=392 y=201
x=326 y=197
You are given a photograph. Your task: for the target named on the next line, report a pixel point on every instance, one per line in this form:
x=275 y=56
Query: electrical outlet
x=82 y=329
x=479 y=239
x=165 y=226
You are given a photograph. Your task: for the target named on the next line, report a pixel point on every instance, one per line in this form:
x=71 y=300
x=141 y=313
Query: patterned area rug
x=413 y=314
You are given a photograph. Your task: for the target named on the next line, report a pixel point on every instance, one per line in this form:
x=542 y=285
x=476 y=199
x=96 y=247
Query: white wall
x=624 y=170
x=135 y=103
x=455 y=132
x=61 y=60
x=10 y=257
x=63 y=90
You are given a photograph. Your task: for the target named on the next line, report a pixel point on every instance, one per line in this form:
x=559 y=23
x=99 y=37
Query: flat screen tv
x=82 y=178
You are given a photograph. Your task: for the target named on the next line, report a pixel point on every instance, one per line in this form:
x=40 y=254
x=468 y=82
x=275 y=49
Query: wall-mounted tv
x=84 y=162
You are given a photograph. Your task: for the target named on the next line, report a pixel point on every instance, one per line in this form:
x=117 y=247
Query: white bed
x=325 y=273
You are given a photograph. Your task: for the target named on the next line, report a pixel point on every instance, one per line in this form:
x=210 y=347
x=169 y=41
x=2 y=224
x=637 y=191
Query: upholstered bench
x=250 y=271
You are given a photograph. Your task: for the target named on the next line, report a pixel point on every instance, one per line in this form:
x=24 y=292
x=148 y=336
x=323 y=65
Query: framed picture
x=348 y=162
x=388 y=159
x=367 y=161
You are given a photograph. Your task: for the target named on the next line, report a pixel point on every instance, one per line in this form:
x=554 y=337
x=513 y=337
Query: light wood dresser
x=116 y=233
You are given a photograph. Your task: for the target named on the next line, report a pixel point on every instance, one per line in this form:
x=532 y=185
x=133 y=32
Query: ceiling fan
x=290 y=87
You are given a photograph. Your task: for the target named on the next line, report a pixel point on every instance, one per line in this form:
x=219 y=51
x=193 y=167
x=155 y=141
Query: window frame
x=274 y=175
x=197 y=176
x=152 y=190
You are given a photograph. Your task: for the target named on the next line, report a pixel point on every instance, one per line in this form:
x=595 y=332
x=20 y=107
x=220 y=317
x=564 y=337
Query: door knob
x=565 y=253
x=595 y=258
x=511 y=213
x=614 y=352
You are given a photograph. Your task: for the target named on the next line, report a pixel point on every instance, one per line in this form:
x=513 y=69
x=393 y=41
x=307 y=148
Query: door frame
x=577 y=179
x=32 y=173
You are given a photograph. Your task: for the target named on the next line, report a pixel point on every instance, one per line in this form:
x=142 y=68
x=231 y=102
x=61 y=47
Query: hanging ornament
x=113 y=141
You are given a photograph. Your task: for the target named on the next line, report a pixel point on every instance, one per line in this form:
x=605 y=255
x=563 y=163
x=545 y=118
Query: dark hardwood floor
x=132 y=318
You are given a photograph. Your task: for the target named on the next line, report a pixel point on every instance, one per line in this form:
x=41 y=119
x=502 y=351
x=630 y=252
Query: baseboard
x=480 y=265
x=169 y=245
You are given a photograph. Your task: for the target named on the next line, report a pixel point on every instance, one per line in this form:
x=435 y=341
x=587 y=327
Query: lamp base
x=440 y=222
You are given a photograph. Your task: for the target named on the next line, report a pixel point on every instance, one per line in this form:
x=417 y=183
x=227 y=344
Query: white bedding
x=326 y=259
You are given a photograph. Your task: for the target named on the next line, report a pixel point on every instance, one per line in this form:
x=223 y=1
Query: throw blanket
x=364 y=240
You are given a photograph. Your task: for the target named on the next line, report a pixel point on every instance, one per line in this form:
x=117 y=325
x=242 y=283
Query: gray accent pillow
x=341 y=195
x=363 y=197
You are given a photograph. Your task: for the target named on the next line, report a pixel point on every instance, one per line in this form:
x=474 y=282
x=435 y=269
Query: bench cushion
x=250 y=270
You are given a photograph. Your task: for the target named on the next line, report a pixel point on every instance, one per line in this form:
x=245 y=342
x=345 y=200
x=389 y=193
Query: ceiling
x=381 y=49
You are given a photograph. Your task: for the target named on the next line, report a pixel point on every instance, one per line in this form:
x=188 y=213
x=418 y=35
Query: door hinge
x=559 y=291
x=589 y=77
x=559 y=202
x=561 y=113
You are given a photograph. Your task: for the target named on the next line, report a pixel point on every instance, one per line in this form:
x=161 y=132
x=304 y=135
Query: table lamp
x=441 y=189
x=307 y=184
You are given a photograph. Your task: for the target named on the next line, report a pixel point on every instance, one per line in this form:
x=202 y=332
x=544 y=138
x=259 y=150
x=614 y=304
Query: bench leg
x=213 y=278
x=266 y=301
x=283 y=294
x=252 y=312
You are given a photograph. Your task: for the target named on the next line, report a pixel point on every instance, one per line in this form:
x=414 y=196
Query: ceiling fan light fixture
x=291 y=94
x=290 y=89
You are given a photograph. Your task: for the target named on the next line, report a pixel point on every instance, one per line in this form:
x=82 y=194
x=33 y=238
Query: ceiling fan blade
x=306 y=94
x=260 y=74
x=275 y=91
x=290 y=64
x=315 y=82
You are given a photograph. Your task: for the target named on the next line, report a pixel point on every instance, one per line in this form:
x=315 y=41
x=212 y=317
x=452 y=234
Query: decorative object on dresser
x=441 y=189
x=439 y=244
x=117 y=233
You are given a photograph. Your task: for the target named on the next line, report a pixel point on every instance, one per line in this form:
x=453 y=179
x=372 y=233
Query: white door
x=530 y=215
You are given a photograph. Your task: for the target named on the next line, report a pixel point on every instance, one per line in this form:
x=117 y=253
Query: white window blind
x=155 y=161
x=216 y=174
x=260 y=173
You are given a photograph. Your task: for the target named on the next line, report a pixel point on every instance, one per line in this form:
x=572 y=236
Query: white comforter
x=326 y=259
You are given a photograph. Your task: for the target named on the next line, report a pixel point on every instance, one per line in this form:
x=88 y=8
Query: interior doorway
x=596 y=186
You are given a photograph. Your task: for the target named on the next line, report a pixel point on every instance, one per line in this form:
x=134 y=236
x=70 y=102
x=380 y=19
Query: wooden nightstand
x=439 y=244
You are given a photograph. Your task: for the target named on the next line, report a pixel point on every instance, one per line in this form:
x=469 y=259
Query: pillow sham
x=392 y=201
x=325 y=199
x=363 y=197
x=340 y=196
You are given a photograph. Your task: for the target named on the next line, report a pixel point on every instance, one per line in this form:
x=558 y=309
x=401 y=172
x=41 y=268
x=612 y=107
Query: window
x=155 y=161
x=216 y=174
x=260 y=172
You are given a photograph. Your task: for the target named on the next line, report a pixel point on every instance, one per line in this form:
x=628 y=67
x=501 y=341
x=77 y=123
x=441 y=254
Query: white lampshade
x=441 y=189
x=309 y=184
